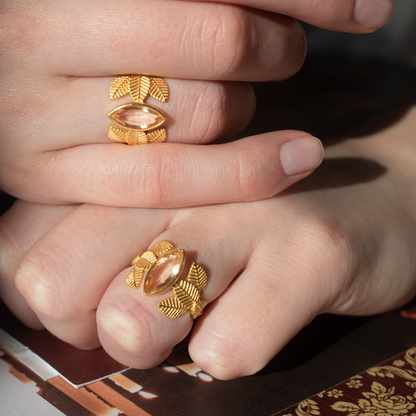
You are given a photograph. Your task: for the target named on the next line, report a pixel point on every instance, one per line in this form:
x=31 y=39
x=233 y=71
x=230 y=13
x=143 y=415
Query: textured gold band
x=137 y=122
x=162 y=267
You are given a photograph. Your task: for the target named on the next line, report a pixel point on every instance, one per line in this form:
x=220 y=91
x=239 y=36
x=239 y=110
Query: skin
x=298 y=255
x=57 y=60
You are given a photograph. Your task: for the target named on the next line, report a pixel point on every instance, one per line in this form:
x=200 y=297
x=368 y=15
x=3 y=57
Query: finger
x=153 y=176
x=65 y=274
x=20 y=227
x=131 y=327
x=173 y=39
x=287 y=281
x=196 y=112
x=266 y=313
x=355 y=16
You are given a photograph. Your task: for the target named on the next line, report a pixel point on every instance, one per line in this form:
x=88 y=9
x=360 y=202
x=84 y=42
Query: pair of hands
x=58 y=59
x=297 y=255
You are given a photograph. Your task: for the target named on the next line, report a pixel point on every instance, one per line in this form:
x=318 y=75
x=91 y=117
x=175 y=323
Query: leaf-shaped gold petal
x=136 y=259
x=159 y=89
x=157 y=136
x=142 y=138
x=143 y=263
x=161 y=247
x=135 y=277
x=135 y=138
x=120 y=87
x=198 y=277
x=198 y=308
x=172 y=308
x=139 y=87
x=150 y=257
x=117 y=134
x=187 y=293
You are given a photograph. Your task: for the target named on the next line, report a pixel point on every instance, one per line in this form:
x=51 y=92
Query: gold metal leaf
x=143 y=263
x=135 y=137
x=117 y=134
x=136 y=259
x=198 y=308
x=149 y=257
x=139 y=87
x=159 y=89
x=187 y=293
x=161 y=247
x=157 y=136
x=120 y=87
x=135 y=277
x=198 y=277
x=172 y=308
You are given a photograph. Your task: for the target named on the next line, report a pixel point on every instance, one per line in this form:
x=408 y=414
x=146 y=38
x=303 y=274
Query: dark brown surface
x=329 y=350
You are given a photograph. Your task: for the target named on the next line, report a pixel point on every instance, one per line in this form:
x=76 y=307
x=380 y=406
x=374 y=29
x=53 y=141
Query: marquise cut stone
x=164 y=273
x=137 y=116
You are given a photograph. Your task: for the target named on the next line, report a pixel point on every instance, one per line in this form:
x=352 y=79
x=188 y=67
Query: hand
x=341 y=241
x=58 y=60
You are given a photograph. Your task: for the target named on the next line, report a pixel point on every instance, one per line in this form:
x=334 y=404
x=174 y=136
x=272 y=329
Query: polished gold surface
x=138 y=123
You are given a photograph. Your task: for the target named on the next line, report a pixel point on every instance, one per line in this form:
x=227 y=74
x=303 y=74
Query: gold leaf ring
x=137 y=122
x=161 y=268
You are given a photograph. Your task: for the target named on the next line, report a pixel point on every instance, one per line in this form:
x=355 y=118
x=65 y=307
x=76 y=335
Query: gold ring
x=161 y=268
x=137 y=122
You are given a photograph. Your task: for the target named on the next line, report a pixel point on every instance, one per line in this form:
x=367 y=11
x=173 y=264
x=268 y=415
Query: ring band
x=161 y=268
x=137 y=122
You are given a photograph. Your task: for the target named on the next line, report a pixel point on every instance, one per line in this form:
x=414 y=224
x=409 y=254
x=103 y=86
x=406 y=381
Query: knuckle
x=133 y=328
x=322 y=248
x=249 y=183
x=124 y=327
x=147 y=179
x=300 y=49
x=39 y=280
x=225 y=40
x=209 y=120
x=322 y=242
x=291 y=44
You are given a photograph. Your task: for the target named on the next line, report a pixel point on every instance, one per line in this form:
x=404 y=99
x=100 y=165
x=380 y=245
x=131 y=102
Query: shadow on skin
x=338 y=173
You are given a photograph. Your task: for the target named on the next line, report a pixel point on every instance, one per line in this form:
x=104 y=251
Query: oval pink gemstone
x=137 y=116
x=164 y=273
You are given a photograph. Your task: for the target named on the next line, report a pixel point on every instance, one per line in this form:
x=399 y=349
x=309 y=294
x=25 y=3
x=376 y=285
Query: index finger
x=353 y=16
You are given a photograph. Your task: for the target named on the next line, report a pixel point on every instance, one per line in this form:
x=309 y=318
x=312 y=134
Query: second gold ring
x=137 y=122
x=161 y=268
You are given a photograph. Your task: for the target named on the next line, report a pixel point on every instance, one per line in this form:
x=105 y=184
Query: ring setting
x=161 y=267
x=138 y=123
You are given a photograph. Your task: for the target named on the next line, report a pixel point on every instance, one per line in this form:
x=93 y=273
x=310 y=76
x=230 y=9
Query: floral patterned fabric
x=385 y=390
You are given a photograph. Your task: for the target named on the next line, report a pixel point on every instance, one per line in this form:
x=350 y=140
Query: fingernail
x=373 y=13
x=301 y=155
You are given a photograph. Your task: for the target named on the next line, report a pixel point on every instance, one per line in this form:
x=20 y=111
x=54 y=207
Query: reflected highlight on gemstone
x=164 y=273
x=137 y=116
